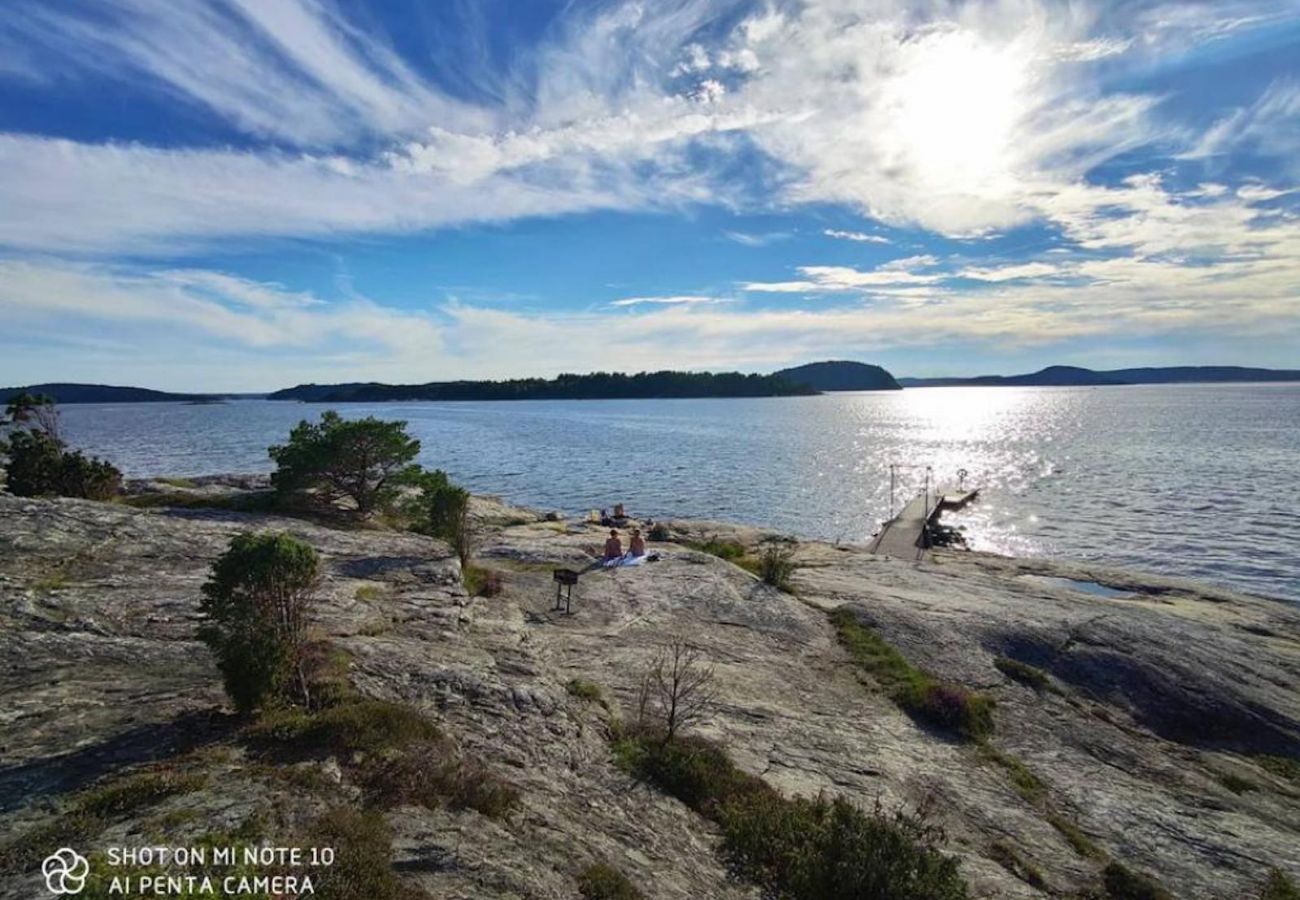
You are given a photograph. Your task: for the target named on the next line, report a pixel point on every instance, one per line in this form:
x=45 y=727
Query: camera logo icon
x=65 y=871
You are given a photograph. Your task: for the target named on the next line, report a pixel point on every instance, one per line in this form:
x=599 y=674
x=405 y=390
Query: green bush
x=936 y=703
x=950 y=707
x=801 y=849
x=430 y=773
x=125 y=795
x=1005 y=855
x=1122 y=883
x=256 y=602
x=90 y=812
x=729 y=550
x=363 y=865
x=24 y=851
x=1279 y=886
x=696 y=771
x=1030 y=676
x=1074 y=836
x=601 y=881
x=1236 y=783
x=482 y=582
x=240 y=501
x=39 y=465
x=362 y=726
x=325 y=672
x=445 y=509
x=1028 y=785
x=820 y=849
x=584 y=690
x=1281 y=766
x=362 y=461
x=776 y=565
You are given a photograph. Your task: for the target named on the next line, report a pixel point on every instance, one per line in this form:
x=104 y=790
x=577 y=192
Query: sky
x=243 y=195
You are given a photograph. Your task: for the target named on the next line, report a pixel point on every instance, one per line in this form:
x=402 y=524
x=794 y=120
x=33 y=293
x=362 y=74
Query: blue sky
x=246 y=194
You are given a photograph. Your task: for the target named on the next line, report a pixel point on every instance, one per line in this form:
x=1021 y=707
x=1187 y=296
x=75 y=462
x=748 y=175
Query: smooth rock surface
x=1162 y=692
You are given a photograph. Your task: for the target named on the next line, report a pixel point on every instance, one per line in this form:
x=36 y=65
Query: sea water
x=1191 y=480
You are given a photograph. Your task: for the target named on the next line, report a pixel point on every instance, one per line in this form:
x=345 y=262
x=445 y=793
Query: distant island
x=595 y=386
x=102 y=393
x=797 y=381
x=1073 y=376
x=840 y=375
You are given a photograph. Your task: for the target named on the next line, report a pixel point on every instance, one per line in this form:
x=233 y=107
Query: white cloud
x=204 y=330
x=283 y=69
x=670 y=301
x=757 y=240
x=1270 y=127
x=60 y=195
x=961 y=119
x=858 y=236
x=846 y=278
x=1011 y=272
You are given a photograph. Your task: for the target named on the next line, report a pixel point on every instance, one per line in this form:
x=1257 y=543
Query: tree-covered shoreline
x=593 y=386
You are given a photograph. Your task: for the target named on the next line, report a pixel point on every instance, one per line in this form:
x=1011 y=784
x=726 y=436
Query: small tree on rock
x=361 y=461
x=442 y=510
x=37 y=462
x=257 y=600
x=676 y=690
x=35 y=411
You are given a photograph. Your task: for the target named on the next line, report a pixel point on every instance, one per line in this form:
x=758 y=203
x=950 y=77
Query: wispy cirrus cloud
x=675 y=300
x=950 y=119
x=859 y=237
x=959 y=121
x=757 y=240
x=210 y=330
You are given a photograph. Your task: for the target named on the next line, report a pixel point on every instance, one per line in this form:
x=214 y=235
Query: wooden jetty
x=904 y=536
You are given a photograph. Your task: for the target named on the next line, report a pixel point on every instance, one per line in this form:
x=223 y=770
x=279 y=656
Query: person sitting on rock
x=637 y=547
x=613 y=546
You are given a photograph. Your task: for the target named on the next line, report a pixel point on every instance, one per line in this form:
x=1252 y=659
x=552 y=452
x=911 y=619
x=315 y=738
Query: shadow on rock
x=69 y=772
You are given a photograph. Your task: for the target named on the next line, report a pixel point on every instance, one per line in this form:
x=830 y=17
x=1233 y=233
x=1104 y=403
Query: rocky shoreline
x=1160 y=735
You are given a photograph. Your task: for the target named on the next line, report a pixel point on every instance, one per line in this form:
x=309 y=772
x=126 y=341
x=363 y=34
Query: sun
x=953 y=108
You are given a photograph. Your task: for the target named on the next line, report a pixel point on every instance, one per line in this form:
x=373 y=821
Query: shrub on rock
x=256 y=601
x=39 y=463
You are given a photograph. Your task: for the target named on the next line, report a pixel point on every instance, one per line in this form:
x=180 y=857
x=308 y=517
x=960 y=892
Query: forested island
x=841 y=375
x=595 y=386
x=1075 y=376
x=63 y=392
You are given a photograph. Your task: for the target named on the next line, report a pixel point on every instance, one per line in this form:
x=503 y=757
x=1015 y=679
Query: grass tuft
x=1279 y=886
x=1030 y=676
x=125 y=795
x=937 y=703
x=1028 y=785
x=481 y=582
x=431 y=773
x=798 y=848
x=1236 y=783
x=601 y=881
x=92 y=811
x=1282 y=766
x=1074 y=836
x=585 y=690
x=1122 y=883
x=363 y=866
x=722 y=549
x=1005 y=855
x=362 y=726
